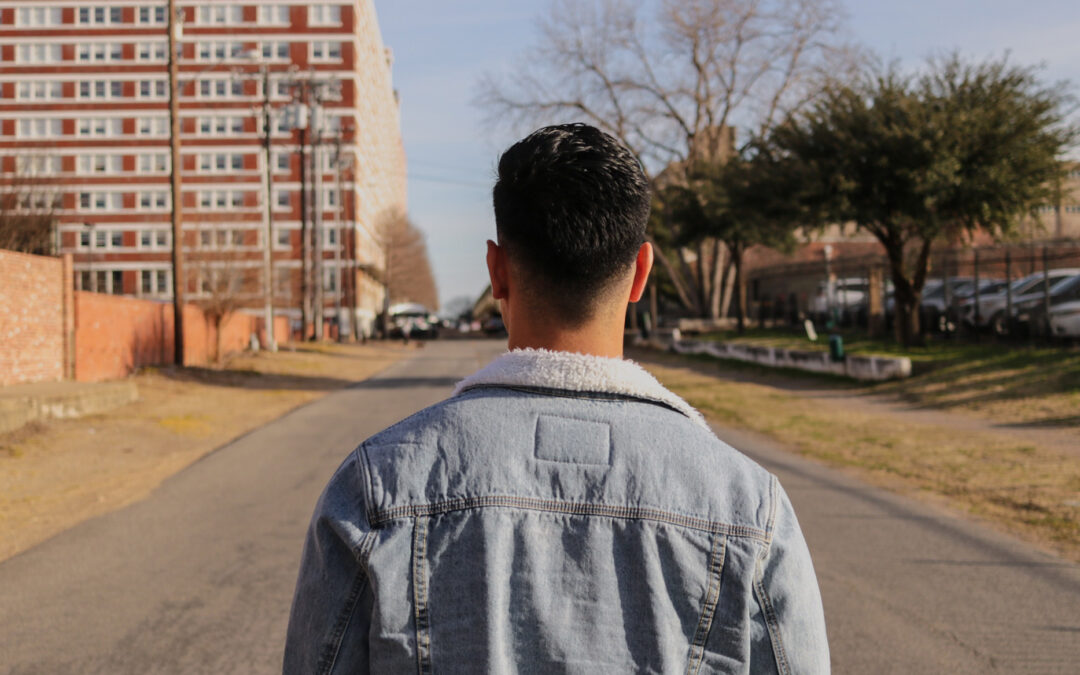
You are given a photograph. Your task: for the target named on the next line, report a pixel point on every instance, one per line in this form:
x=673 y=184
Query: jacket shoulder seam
x=382 y=516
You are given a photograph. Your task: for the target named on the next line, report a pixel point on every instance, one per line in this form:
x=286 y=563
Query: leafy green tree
x=748 y=200
x=919 y=160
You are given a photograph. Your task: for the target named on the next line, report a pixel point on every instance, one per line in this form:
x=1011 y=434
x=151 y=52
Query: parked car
x=1065 y=313
x=1031 y=315
x=938 y=300
x=992 y=306
x=414 y=321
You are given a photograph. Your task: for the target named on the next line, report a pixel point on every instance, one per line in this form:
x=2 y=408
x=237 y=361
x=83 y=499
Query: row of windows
x=219 y=14
x=112 y=127
x=114 y=201
x=150 y=162
x=216 y=50
x=114 y=239
x=151 y=282
x=151 y=89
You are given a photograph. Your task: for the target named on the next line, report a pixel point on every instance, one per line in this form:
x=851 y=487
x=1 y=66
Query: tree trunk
x=907 y=293
x=717 y=288
x=218 y=322
x=672 y=273
x=728 y=284
x=740 y=287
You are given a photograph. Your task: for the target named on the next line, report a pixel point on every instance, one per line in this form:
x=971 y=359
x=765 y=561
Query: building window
x=98 y=163
x=96 y=126
x=220 y=14
x=152 y=51
x=38 y=53
x=324 y=15
x=284 y=161
x=325 y=50
x=274 y=15
x=283 y=237
x=39 y=91
x=276 y=50
x=84 y=239
x=39 y=128
x=153 y=126
x=154 y=282
x=152 y=15
x=117 y=283
x=154 y=199
x=116 y=239
x=283 y=199
x=34 y=17
x=157 y=162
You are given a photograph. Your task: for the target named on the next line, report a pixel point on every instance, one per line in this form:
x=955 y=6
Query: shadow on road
x=250 y=379
x=405 y=382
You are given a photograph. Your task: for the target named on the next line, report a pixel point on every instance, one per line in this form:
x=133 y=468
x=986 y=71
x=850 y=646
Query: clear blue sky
x=441 y=48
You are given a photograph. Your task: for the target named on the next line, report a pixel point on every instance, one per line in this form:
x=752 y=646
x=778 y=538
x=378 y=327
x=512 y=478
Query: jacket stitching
x=328 y=658
x=570 y=393
x=423 y=634
x=708 y=611
x=771 y=623
x=574 y=508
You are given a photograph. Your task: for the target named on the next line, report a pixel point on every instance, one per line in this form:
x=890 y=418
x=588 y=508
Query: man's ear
x=642 y=267
x=497 y=270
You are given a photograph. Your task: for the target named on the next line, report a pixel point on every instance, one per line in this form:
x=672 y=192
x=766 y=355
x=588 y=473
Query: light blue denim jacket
x=560 y=513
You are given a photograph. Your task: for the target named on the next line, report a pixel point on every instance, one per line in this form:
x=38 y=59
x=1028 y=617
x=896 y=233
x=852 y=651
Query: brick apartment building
x=84 y=110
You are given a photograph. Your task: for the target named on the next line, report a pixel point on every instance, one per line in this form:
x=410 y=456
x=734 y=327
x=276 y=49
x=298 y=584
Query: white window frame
x=37 y=17
x=151 y=16
x=274 y=15
x=152 y=52
x=325 y=14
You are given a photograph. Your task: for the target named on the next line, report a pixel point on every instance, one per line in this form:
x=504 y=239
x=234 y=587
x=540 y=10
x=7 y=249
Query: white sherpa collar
x=576 y=372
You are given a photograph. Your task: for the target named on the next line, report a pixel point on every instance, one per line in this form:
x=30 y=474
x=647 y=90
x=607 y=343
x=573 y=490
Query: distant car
x=414 y=321
x=494 y=327
x=1030 y=313
x=1065 y=316
x=1064 y=296
x=993 y=306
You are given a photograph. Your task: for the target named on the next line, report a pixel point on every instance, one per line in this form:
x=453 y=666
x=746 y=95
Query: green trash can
x=836 y=347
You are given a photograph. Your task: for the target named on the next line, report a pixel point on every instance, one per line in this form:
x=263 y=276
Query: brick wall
x=31 y=318
x=49 y=332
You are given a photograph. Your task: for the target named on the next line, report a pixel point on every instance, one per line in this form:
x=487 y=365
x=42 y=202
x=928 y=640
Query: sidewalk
x=22 y=404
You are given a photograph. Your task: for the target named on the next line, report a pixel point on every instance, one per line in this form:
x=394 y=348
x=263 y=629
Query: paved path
x=198 y=577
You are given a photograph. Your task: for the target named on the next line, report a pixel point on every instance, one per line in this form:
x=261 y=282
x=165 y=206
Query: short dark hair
x=571 y=206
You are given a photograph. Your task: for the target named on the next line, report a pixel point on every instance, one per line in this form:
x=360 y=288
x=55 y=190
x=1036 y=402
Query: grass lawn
x=1012 y=384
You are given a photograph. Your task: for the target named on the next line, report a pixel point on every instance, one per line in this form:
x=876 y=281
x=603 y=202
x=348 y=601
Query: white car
x=1065 y=312
x=992 y=307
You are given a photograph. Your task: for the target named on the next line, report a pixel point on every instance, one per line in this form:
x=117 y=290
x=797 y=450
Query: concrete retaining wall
x=863 y=368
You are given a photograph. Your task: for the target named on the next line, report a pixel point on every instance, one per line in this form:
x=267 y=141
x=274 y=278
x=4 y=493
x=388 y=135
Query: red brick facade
x=31 y=318
x=103 y=336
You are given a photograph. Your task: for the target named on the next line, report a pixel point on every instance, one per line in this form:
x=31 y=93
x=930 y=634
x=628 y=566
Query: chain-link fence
x=1019 y=291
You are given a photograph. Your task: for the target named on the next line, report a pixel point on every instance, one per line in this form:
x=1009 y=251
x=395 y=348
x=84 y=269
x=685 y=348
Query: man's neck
x=597 y=339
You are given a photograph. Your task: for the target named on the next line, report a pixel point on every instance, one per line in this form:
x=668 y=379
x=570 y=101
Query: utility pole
x=305 y=276
x=339 y=241
x=174 y=28
x=317 y=155
x=268 y=261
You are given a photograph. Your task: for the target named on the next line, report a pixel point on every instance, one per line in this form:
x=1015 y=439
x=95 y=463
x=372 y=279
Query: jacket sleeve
x=789 y=635
x=331 y=610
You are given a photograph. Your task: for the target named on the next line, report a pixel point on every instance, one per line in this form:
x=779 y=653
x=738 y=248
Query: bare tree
x=408 y=274
x=226 y=280
x=672 y=85
x=28 y=203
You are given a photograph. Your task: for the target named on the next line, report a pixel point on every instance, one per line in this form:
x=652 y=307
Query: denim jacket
x=559 y=513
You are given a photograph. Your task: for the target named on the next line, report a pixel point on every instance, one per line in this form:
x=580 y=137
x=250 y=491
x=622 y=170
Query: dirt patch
x=57 y=474
x=1028 y=488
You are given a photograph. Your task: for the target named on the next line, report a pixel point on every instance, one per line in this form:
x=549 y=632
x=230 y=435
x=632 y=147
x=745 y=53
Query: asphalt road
x=198 y=577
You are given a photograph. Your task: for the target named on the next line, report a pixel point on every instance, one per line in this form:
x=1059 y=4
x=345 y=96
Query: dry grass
x=57 y=474
x=1010 y=384
x=1029 y=490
